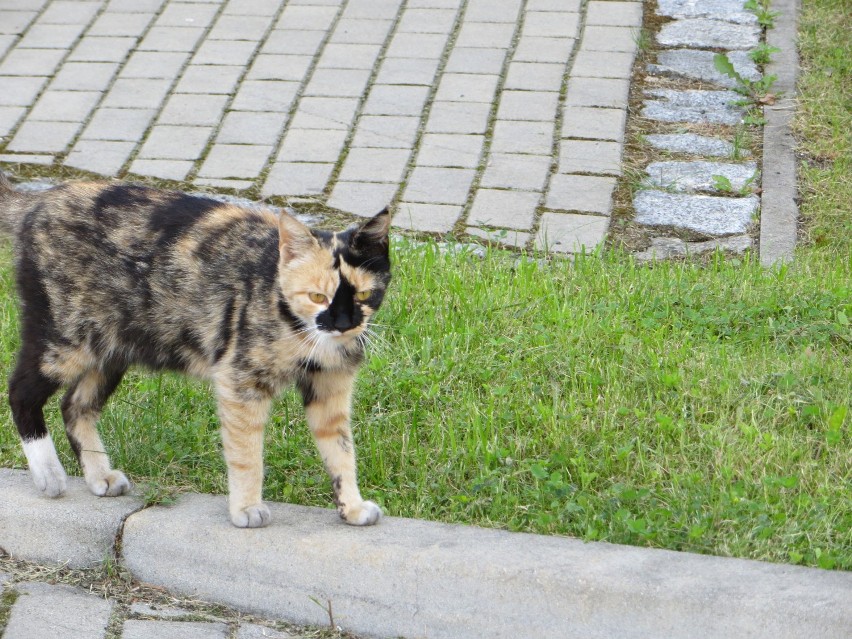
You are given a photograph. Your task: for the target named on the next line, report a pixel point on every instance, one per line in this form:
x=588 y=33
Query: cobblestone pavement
x=494 y=116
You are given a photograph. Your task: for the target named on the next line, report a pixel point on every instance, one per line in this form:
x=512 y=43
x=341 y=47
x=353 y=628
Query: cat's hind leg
x=81 y=408
x=29 y=390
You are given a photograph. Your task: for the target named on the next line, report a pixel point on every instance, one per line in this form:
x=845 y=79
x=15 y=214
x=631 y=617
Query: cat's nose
x=343 y=323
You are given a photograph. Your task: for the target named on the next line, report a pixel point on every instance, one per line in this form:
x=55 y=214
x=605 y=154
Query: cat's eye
x=318 y=298
x=362 y=296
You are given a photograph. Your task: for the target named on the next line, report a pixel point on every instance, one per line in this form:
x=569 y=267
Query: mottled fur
x=115 y=275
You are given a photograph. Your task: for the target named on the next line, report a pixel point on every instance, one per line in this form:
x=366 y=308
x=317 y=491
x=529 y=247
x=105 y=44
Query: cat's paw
x=256 y=516
x=366 y=513
x=111 y=484
x=45 y=468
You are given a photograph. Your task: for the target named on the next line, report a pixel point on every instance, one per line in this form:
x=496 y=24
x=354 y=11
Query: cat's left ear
x=293 y=236
x=372 y=235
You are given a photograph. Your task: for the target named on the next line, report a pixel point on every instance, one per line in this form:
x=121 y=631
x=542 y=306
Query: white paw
x=365 y=514
x=112 y=484
x=45 y=467
x=256 y=516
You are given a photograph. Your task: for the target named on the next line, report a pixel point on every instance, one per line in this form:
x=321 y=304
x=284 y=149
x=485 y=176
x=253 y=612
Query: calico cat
x=113 y=275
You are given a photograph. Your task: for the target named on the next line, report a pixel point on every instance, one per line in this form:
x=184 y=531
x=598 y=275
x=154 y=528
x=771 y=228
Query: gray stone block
x=472 y=60
x=490 y=11
x=193 y=109
x=171 y=39
x=137 y=629
x=179 y=14
x=668 y=247
x=458 y=117
x=534 y=76
x=570 y=233
x=64 y=106
x=704 y=33
x=265 y=95
x=553 y=5
x=590 y=156
x=69 y=13
x=78 y=529
x=120 y=24
x=254 y=7
x=528 y=105
x=237 y=185
x=386 y=131
x=450 y=150
x=597 y=38
x=99 y=156
x=101 y=49
x=338 y=82
x=730 y=10
x=166 y=169
x=395 y=100
x=16 y=22
x=384 y=9
x=432 y=185
x=603 y=64
x=693 y=144
x=137 y=93
x=161 y=612
x=374 y=165
x=466 y=87
x=614 y=14
x=57 y=612
x=357 y=31
x=699 y=176
x=86 y=76
x=43 y=137
x=249 y=127
x=530 y=49
x=702 y=213
x=484 y=34
x=506 y=209
x=710 y=107
x=306 y=17
x=169 y=142
x=546 y=24
x=312 y=145
x=349 y=56
x=235 y=161
x=254 y=631
x=601 y=92
x=154 y=64
x=427 y=218
x=295 y=41
x=586 y=193
x=698 y=65
x=6 y=42
x=297 y=178
x=231 y=27
x=362 y=198
x=427 y=21
x=31 y=62
x=227 y=52
x=593 y=123
x=408 y=71
x=518 y=239
x=9 y=118
x=209 y=79
x=52 y=36
x=522 y=137
x=516 y=171
x=20 y=91
x=428 y=46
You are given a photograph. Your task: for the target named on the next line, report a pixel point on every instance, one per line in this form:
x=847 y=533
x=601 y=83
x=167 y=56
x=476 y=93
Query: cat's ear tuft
x=293 y=236
x=373 y=234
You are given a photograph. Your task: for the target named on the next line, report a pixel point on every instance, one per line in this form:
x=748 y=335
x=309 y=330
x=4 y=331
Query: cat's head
x=334 y=282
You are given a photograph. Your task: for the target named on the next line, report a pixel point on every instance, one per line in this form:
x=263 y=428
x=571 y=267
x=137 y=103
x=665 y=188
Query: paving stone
x=280 y=67
x=192 y=109
x=431 y=4
x=362 y=198
x=121 y=24
x=338 y=82
x=522 y=137
x=438 y=185
x=593 y=123
x=312 y=145
x=9 y=118
x=237 y=185
x=427 y=218
x=85 y=76
x=587 y=193
x=265 y=95
x=64 y=106
x=29 y=62
x=733 y=244
x=228 y=52
x=534 y=76
x=165 y=169
x=528 y=105
x=590 y=156
x=603 y=64
x=154 y=64
x=137 y=629
x=171 y=39
x=465 y=87
x=386 y=131
x=69 y=12
x=135 y=6
x=57 y=612
x=730 y=10
x=703 y=213
x=662 y=248
x=100 y=156
x=550 y=24
x=215 y=79
x=248 y=127
x=553 y=5
x=6 y=42
x=530 y=49
x=472 y=60
x=427 y=21
x=296 y=17
x=371 y=8
x=349 y=56
x=374 y=165
x=450 y=150
x=235 y=161
x=364 y=31
x=15 y=22
x=417 y=45
x=515 y=171
x=693 y=144
x=569 y=233
x=513 y=237
x=254 y=631
x=230 y=27
x=180 y=14
x=622 y=14
x=52 y=36
x=668 y=247
x=701 y=32
x=254 y=7
x=699 y=176
x=698 y=65
x=118 y=124
x=610 y=39
x=603 y=92
x=484 y=34
x=294 y=41
x=458 y=117
x=169 y=142
x=395 y=100
x=407 y=71
x=101 y=49
x=490 y=11
x=297 y=178
x=20 y=91
x=148 y=610
x=137 y=93
x=43 y=137
x=710 y=107
x=507 y=209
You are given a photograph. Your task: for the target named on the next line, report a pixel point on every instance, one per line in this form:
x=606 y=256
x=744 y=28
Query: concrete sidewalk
x=419 y=579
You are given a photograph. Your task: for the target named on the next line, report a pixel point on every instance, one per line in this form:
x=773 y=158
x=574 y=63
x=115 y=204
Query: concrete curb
x=419 y=579
x=779 y=209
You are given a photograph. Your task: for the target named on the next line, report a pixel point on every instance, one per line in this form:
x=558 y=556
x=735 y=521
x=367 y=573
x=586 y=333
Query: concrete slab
x=57 y=612
x=78 y=529
x=703 y=213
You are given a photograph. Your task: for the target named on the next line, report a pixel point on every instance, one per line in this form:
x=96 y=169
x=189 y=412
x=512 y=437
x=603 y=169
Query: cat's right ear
x=293 y=236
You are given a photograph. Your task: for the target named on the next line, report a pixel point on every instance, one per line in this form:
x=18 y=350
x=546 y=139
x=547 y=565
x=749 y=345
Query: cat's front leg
x=243 y=417
x=328 y=406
